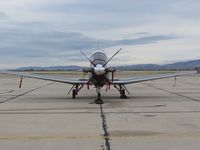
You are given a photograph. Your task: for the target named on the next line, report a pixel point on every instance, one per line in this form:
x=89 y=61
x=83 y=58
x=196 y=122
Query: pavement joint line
x=130 y=112
x=52 y=137
x=106 y=134
x=9 y=91
x=178 y=94
x=12 y=98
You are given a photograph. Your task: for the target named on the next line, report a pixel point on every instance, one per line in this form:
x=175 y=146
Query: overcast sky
x=52 y=32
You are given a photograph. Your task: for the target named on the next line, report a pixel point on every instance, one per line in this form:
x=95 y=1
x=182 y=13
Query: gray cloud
x=24 y=40
x=129 y=8
x=142 y=33
x=140 y=41
x=52 y=30
x=147 y=40
x=3 y=16
x=111 y=6
x=108 y=15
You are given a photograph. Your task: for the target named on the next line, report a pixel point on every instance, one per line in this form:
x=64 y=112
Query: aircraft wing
x=49 y=78
x=150 y=77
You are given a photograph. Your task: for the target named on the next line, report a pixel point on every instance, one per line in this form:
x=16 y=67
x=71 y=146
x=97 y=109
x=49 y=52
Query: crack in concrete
x=12 y=98
x=105 y=129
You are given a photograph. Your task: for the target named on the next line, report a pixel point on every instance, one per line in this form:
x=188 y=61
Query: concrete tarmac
x=156 y=116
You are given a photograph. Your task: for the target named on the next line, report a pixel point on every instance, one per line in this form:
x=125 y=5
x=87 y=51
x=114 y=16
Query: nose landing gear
x=98 y=100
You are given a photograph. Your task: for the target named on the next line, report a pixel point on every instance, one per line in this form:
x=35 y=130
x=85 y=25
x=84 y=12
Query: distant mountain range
x=186 y=65
x=51 y=68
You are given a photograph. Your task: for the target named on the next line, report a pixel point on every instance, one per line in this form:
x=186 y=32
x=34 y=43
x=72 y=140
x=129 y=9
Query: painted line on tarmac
x=9 y=91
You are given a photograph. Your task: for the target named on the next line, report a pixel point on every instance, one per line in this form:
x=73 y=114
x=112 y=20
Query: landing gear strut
x=122 y=94
x=75 y=90
x=122 y=90
x=98 y=100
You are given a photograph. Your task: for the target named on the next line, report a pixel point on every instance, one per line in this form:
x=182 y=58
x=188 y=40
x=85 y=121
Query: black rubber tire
x=123 y=94
x=74 y=94
x=99 y=101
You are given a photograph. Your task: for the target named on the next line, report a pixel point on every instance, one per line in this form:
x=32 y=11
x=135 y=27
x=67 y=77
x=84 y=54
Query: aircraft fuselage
x=99 y=76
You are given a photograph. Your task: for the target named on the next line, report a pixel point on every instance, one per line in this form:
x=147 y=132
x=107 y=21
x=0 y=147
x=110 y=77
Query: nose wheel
x=98 y=100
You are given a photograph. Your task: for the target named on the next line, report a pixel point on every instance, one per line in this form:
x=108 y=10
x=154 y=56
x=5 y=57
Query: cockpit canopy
x=99 y=58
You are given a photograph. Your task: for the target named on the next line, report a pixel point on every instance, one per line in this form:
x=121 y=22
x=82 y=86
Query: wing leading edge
x=151 y=77
x=115 y=82
x=49 y=78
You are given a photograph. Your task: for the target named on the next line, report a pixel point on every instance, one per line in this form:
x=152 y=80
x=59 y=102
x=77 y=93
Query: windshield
x=99 y=58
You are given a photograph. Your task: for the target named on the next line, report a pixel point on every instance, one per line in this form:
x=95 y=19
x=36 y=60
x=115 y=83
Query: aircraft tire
x=123 y=95
x=74 y=94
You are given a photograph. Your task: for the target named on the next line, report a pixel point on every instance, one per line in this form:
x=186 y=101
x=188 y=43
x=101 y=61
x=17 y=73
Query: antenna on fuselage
x=98 y=45
x=88 y=58
x=112 y=57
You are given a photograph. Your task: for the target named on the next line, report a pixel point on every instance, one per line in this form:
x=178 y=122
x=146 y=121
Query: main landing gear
x=123 y=94
x=122 y=90
x=75 y=89
x=74 y=93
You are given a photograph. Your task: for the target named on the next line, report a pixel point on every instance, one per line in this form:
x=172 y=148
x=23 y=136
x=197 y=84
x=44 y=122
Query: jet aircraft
x=98 y=76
